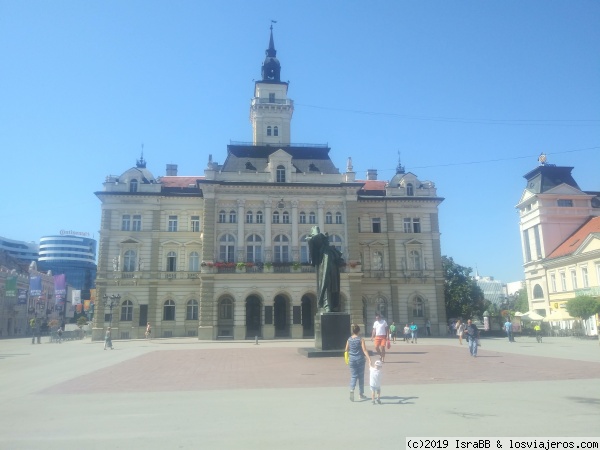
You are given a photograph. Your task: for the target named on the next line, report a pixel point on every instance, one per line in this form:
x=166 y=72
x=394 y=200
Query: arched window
x=126 y=311
x=133 y=185
x=194 y=262
x=418 y=307
x=191 y=310
x=232 y=216
x=538 y=291
x=259 y=217
x=129 y=261
x=280 y=174
x=275 y=131
x=275 y=216
x=249 y=217
x=227 y=248
x=302 y=217
x=377 y=261
x=338 y=218
x=328 y=218
x=312 y=218
x=285 y=217
x=410 y=191
x=222 y=216
x=254 y=248
x=226 y=309
x=304 y=255
x=171 y=262
x=268 y=131
x=336 y=241
x=415 y=260
x=281 y=248
x=169 y=310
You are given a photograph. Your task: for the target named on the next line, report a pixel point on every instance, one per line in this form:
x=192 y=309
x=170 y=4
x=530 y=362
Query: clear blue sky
x=470 y=93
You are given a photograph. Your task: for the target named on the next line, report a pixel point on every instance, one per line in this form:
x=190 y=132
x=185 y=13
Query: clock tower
x=271 y=110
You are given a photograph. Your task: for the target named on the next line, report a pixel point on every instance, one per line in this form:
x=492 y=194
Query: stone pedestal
x=332 y=331
x=239 y=332
x=297 y=331
x=268 y=331
x=206 y=333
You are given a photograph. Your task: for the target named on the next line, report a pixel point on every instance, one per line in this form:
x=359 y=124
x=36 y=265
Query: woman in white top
x=460 y=329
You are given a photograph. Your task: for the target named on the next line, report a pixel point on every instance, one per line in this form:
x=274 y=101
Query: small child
x=375 y=381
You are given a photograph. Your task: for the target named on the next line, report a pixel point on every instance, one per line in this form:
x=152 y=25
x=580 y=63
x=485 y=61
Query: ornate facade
x=224 y=255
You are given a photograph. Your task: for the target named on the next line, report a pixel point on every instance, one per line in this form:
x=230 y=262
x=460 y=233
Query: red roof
x=181 y=182
x=573 y=242
x=373 y=185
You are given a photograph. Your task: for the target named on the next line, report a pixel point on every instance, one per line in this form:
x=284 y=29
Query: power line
x=482 y=121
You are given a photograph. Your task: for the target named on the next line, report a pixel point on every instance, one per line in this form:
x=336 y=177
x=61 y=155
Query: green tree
x=521 y=301
x=462 y=296
x=583 y=307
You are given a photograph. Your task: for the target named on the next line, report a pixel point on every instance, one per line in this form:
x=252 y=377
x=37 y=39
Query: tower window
x=272 y=98
x=275 y=131
x=376 y=225
x=410 y=190
x=133 y=185
x=565 y=203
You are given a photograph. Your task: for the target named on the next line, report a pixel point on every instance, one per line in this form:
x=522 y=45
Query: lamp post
x=111 y=301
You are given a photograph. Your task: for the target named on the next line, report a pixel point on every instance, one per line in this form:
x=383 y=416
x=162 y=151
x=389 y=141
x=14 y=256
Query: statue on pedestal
x=327 y=260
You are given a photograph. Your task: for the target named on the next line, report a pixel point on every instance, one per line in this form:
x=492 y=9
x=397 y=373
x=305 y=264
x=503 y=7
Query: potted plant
x=296 y=266
x=240 y=267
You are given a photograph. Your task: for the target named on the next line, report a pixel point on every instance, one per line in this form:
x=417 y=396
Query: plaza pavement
x=188 y=394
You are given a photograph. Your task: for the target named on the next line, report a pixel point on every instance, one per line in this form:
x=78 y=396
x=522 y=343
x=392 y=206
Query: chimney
x=171 y=170
x=371 y=174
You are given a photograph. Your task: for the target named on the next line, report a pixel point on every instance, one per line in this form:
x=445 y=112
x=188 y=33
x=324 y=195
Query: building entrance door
x=253 y=327
x=308 y=317
x=280 y=317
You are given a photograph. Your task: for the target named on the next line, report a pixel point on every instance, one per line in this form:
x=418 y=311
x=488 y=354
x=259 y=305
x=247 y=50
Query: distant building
x=493 y=290
x=224 y=254
x=72 y=255
x=560 y=237
x=21 y=250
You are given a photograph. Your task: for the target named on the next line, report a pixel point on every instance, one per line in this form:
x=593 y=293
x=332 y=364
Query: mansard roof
x=255 y=158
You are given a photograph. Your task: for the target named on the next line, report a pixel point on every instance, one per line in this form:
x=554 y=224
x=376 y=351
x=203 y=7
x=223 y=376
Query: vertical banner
x=22 y=297
x=60 y=289
x=11 y=287
x=86 y=305
x=76 y=297
x=35 y=286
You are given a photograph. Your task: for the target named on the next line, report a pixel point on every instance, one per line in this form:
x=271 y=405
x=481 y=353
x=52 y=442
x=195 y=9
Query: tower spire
x=271 y=68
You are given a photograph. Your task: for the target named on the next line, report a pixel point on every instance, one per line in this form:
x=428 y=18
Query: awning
x=531 y=316
x=558 y=315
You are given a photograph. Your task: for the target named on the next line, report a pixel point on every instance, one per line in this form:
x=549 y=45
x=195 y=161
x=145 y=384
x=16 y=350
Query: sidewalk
x=185 y=393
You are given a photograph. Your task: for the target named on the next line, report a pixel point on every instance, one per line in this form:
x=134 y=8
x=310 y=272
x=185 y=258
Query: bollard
x=255 y=340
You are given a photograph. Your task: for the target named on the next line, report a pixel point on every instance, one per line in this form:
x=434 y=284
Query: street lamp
x=111 y=301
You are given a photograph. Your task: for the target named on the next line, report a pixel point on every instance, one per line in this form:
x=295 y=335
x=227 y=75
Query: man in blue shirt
x=508 y=328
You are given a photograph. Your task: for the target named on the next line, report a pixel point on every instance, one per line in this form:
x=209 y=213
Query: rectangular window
x=407 y=225
x=259 y=217
x=563 y=203
x=302 y=218
x=126 y=223
x=249 y=217
x=553 y=282
x=574 y=279
x=222 y=217
x=136 y=225
x=271 y=97
x=195 y=224
x=172 y=223
x=584 y=277
x=526 y=246
x=538 y=244
x=312 y=218
x=563 y=281
x=417 y=225
x=232 y=217
x=376 y=225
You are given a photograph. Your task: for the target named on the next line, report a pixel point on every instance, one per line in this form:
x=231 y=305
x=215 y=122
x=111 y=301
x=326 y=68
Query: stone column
x=320 y=215
x=295 y=247
x=268 y=238
x=240 y=229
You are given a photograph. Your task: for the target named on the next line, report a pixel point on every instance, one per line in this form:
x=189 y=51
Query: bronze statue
x=327 y=260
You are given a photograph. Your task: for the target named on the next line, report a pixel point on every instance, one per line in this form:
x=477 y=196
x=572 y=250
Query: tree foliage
x=463 y=298
x=521 y=301
x=583 y=307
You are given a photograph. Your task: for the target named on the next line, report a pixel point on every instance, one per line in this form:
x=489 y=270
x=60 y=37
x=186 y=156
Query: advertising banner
x=76 y=297
x=60 y=289
x=86 y=305
x=35 y=286
x=11 y=287
x=22 y=297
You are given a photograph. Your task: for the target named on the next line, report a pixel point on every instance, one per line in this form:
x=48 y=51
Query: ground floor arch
x=253 y=317
x=308 y=305
x=281 y=316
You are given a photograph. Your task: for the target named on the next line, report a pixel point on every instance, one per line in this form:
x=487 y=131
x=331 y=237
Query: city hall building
x=223 y=255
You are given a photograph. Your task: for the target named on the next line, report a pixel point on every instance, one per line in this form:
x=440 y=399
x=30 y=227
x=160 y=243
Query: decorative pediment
x=590 y=244
x=564 y=189
x=167 y=243
x=413 y=242
x=130 y=241
x=376 y=242
x=191 y=243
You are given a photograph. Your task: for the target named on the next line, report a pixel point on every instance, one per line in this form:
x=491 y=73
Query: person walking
x=59 y=334
x=379 y=335
x=357 y=355
x=508 y=328
x=375 y=381
x=107 y=339
x=460 y=329
x=393 y=332
x=472 y=335
x=413 y=332
x=406 y=333
x=428 y=327
x=148 y=331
